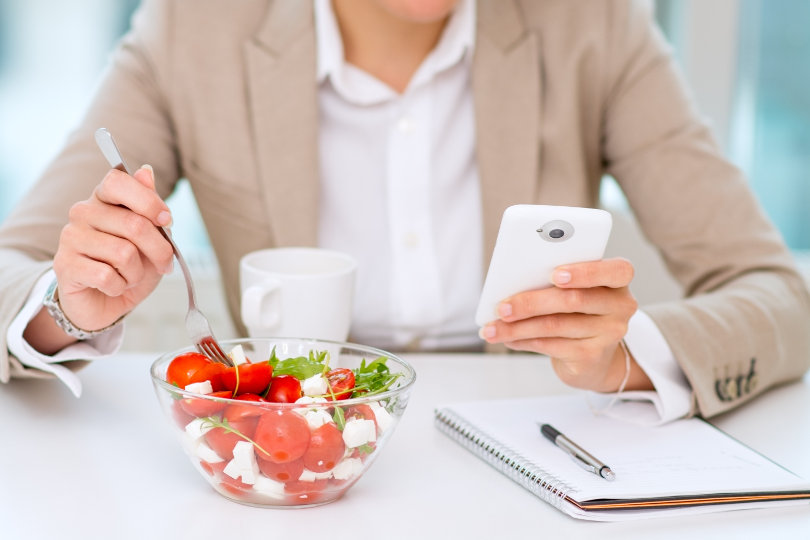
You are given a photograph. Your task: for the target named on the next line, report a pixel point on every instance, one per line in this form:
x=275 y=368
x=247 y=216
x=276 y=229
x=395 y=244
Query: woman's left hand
x=579 y=323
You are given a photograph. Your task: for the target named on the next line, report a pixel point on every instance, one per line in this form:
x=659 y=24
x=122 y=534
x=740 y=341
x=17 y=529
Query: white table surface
x=106 y=465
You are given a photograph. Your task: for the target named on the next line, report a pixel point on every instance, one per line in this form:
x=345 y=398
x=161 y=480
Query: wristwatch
x=51 y=303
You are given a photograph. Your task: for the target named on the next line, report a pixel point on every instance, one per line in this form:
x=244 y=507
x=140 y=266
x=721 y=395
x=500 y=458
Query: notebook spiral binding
x=542 y=484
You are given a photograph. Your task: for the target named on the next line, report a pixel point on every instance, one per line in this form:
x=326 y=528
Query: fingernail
x=486 y=332
x=164 y=218
x=169 y=267
x=504 y=310
x=148 y=168
x=561 y=277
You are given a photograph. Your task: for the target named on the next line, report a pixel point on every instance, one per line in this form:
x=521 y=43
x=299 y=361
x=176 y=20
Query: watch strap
x=51 y=303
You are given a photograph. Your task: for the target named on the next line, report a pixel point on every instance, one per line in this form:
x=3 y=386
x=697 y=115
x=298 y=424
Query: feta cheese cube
x=347 y=468
x=269 y=487
x=311 y=476
x=243 y=463
x=199 y=387
x=314 y=386
x=317 y=417
x=206 y=453
x=358 y=432
x=198 y=427
x=384 y=418
x=306 y=400
x=237 y=354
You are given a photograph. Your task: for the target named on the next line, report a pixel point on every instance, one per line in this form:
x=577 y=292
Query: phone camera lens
x=557 y=230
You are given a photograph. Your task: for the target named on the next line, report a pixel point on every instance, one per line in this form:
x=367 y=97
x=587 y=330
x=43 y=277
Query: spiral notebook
x=686 y=466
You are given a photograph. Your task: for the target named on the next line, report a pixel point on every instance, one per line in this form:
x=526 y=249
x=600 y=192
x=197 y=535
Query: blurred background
x=746 y=61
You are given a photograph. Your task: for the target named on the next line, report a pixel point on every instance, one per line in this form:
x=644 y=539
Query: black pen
x=582 y=457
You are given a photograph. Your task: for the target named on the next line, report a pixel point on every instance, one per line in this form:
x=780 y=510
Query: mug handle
x=254 y=297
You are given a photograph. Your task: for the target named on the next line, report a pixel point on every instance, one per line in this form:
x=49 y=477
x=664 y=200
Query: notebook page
x=686 y=457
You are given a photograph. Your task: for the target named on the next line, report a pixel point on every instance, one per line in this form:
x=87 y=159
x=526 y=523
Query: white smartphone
x=534 y=240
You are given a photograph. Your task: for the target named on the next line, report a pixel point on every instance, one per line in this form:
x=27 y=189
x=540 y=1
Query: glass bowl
x=299 y=454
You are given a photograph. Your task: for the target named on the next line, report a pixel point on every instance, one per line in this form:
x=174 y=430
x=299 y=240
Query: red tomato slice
x=211 y=372
x=181 y=417
x=299 y=486
x=182 y=368
x=283 y=472
x=299 y=492
x=222 y=441
x=201 y=407
x=326 y=447
x=252 y=378
x=207 y=467
x=283 y=434
x=284 y=389
x=218 y=472
x=341 y=382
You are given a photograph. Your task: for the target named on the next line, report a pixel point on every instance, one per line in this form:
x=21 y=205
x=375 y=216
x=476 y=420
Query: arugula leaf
x=301 y=367
x=373 y=378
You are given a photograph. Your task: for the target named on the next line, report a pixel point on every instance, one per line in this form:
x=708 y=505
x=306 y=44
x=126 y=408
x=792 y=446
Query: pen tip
x=608 y=475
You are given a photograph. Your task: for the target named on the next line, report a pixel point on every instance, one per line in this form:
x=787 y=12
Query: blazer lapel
x=281 y=68
x=507 y=91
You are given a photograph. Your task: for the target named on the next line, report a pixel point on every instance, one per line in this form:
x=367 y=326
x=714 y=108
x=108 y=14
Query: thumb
x=146 y=176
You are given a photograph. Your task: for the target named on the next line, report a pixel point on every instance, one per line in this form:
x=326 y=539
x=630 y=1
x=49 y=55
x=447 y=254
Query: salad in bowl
x=296 y=422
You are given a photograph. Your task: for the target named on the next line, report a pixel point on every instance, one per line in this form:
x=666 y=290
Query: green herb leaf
x=365 y=448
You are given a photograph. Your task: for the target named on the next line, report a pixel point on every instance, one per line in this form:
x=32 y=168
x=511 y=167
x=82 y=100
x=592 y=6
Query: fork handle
x=192 y=299
x=110 y=150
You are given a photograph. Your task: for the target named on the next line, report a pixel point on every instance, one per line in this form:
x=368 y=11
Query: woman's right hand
x=111 y=255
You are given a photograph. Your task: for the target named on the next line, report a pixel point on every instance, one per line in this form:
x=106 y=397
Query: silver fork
x=197 y=325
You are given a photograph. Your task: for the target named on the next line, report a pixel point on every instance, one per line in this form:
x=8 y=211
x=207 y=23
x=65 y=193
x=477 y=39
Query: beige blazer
x=565 y=91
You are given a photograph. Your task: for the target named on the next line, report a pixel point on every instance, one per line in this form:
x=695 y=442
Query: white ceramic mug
x=297 y=292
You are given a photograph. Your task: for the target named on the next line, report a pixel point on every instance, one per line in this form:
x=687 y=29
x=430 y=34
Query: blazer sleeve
x=744 y=325
x=130 y=102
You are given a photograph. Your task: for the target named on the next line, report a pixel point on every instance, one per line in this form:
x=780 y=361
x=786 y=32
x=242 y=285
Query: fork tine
x=220 y=354
x=213 y=351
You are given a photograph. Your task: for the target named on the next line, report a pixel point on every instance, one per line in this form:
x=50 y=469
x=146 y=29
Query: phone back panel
x=524 y=257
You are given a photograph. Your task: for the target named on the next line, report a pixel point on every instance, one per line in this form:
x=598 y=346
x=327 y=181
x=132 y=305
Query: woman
x=399 y=131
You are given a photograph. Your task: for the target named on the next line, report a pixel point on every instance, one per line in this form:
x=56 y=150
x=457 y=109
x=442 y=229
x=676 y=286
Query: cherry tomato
x=222 y=441
x=201 y=407
x=235 y=412
x=183 y=367
x=283 y=434
x=325 y=449
x=284 y=389
x=251 y=379
x=283 y=472
x=341 y=382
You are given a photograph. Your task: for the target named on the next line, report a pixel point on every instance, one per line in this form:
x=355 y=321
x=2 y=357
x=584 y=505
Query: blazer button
x=751 y=382
x=720 y=390
x=731 y=389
